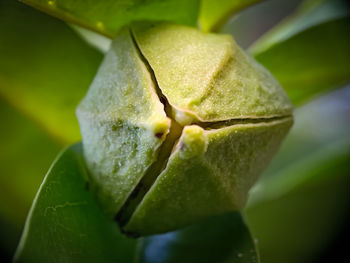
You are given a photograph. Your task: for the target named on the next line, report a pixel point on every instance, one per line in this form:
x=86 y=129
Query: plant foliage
x=46 y=67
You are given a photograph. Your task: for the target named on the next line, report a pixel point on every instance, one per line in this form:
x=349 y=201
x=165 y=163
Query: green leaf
x=310 y=13
x=108 y=17
x=25 y=143
x=309 y=52
x=45 y=68
x=303 y=199
x=219 y=239
x=18 y=183
x=310 y=207
x=213 y=14
x=66 y=225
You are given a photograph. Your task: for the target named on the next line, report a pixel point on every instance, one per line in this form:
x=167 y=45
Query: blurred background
x=300 y=209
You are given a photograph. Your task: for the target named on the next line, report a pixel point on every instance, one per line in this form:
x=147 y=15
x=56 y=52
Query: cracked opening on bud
x=168 y=146
x=159 y=165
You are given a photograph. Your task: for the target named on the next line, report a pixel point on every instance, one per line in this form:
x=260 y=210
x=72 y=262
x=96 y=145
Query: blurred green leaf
x=219 y=239
x=26 y=153
x=66 y=225
x=108 y=17
x=19 y=140
x=302 y=201
x=310 y=13
x=213 y=14
x=302 y=208
x=309 y=52
x=45 y=68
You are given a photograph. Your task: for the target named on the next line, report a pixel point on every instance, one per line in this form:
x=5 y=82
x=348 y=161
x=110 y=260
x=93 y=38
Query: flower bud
x=177 y=126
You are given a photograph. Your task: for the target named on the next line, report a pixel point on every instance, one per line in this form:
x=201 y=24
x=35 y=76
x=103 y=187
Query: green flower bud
x=177 y=126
